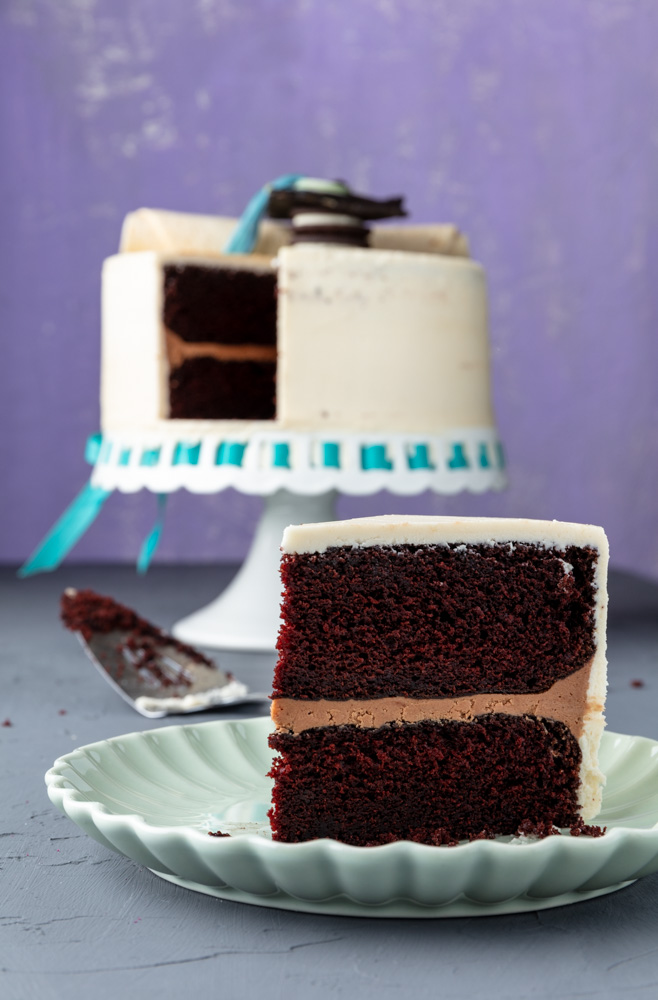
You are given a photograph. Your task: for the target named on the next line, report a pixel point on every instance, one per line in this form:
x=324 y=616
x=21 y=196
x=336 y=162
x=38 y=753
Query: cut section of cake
x=439 y=679
x=220 y=327
x=190 y=339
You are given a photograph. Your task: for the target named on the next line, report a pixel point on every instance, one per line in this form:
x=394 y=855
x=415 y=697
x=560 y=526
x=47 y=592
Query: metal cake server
x=152 y=671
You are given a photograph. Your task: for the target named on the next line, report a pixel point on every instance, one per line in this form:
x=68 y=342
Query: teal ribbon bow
x=243 y=239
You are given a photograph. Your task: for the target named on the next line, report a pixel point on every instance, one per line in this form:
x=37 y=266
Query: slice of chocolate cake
x=438 y=679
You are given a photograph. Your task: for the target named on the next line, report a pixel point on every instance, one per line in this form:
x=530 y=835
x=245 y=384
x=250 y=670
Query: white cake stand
x=299 y=475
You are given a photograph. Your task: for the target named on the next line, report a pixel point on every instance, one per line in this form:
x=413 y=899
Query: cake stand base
x=246 y=615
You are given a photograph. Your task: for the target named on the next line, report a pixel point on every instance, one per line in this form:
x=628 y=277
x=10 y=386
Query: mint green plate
x=154 y=796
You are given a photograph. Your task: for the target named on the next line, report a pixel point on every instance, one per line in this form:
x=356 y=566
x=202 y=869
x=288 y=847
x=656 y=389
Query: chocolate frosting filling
x=179 y=350
x=565 y=701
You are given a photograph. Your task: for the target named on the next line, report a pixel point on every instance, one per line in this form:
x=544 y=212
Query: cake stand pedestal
x=246 y=615
x=299 y=474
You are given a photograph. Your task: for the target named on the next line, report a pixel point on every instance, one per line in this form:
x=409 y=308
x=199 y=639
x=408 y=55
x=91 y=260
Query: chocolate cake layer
x=220 y=305
x=564 y=702
x=435 y=782
x=433 y=621
x=208 y=389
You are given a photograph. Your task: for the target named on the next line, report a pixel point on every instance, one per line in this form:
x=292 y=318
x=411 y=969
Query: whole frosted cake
x=329 y=323
x=438 y=679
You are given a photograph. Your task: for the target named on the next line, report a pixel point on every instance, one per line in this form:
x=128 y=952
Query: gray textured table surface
x=77 y=920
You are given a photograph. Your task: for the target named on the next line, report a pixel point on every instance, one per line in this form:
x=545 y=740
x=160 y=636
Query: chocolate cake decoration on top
x=328 y=212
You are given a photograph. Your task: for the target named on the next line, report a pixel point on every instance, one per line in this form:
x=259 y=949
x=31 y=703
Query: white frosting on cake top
x=416 y=529
x=192 y=235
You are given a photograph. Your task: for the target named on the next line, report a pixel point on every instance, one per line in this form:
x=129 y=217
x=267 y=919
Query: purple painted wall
x=533 y=126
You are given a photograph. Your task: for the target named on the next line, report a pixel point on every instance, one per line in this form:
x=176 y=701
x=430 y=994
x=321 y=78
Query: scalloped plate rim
x=52 y=775
x=63 y=795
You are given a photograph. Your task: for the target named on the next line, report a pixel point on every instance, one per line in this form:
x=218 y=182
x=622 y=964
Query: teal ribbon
x=331 y=455
x=458 y=459
x=150 y=457
x=373 y=456
x=186 y=454
x=152 y=540
x=230 y=453
x=93 y=447
x=281 y=456
x=66 y=532
x=420 y=458
x=243 y=239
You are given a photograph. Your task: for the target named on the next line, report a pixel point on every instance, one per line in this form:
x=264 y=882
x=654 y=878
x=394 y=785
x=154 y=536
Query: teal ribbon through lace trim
x=373 y=456
x=230 y=453
x=186 y=454
x=331 y=455
x=458 y=459
x=93 y=448
x=420 y=458
x=281 y=456
x=150 y=457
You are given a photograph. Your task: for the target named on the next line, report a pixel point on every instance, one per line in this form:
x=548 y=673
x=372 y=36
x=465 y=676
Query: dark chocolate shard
x=285 y=204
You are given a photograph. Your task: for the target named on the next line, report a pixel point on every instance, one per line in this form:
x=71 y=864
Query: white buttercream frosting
x=381 y=339
x=419 y=529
